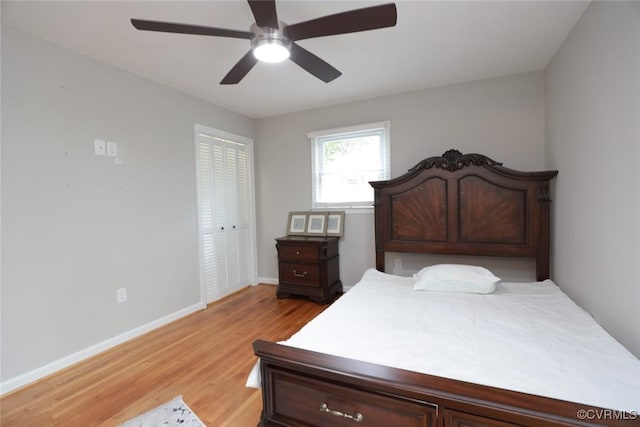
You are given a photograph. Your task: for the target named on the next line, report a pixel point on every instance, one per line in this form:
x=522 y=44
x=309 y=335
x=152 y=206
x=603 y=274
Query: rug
x=171 y=414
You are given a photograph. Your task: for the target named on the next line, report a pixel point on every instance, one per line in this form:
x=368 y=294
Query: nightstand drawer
x=298 y=253
x=300 y=274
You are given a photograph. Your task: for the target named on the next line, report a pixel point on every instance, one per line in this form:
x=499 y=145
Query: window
x=343 y=161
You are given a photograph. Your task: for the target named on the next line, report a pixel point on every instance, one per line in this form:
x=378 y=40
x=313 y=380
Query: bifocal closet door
x=224 y=212
x=230 y=218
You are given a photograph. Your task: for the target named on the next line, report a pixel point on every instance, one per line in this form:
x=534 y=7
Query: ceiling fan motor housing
x=270 y=44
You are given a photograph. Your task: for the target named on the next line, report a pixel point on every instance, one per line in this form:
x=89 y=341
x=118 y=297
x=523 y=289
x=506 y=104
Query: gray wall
x=502 y=118
x=75 y=227
x=593 y=139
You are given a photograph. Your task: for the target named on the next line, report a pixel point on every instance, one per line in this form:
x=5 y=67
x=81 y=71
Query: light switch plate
x=112 y=149
x=100 y=147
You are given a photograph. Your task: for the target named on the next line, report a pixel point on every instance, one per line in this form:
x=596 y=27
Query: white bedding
x=528 y=337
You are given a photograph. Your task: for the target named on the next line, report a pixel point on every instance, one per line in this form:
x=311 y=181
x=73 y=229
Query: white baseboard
x=268 y=280
x=50 y=368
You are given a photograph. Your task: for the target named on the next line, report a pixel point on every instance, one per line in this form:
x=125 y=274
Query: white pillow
x=455 y=278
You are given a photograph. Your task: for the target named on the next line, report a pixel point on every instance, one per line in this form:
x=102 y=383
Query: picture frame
x=335 y=223
x=316 y=224
x=297 y=224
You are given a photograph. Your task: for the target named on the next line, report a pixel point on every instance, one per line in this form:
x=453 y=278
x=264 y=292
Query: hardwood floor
x=205 y=357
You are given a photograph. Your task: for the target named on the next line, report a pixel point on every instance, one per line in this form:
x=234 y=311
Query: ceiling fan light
x=270 y=50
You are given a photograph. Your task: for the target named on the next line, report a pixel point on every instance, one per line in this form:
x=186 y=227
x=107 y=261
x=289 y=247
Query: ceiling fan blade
x=369 y=18
x=265 y=13
x=169 y=27
x=240 y=70
x=314 y=65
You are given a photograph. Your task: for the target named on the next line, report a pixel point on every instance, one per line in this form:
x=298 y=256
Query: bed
x=466 y=373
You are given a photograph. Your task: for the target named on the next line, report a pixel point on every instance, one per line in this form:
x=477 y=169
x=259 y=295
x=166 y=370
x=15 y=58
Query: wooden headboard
x=464 y=204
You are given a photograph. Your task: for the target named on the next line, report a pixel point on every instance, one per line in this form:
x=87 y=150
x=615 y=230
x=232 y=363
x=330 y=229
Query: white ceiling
x=435 y=43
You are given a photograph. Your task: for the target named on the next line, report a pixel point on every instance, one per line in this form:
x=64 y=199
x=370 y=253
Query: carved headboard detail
x=464 y=204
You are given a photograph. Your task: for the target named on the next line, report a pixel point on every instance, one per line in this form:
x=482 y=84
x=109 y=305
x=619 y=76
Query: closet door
x=225 y=211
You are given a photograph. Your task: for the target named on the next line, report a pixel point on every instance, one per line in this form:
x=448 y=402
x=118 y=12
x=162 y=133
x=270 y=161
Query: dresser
x=308 y=266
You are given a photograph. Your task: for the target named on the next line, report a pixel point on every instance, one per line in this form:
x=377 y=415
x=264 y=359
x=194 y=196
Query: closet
x=225 y=212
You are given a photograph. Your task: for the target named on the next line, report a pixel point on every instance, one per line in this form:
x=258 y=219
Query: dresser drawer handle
x=358 y=417
x=297 y=252
x=303 y=274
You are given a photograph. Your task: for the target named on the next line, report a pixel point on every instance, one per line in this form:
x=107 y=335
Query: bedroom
x=576 y=114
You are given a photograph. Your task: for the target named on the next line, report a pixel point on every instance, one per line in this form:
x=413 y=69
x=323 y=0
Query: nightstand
x=308 y=266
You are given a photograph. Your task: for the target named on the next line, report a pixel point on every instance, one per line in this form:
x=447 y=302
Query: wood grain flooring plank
x=205 y=357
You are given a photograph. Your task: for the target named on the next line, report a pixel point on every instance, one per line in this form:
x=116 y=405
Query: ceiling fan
x=274 y=41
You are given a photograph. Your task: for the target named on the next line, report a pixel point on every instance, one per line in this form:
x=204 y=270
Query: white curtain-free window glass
x=345 y=160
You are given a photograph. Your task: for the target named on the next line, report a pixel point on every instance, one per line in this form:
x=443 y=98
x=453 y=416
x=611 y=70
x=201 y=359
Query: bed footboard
x=305 y=388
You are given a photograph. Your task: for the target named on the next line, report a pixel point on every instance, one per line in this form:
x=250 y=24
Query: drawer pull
x=303 y=274
x=297 y=252
x=358 y=417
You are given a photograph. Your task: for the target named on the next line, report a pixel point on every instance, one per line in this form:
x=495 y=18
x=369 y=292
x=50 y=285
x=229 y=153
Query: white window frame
x=317 y=138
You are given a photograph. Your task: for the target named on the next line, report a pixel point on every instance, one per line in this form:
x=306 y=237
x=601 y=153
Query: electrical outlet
x=121 y=295
x=398 y=264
